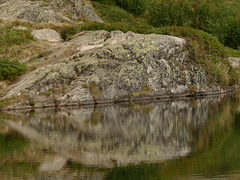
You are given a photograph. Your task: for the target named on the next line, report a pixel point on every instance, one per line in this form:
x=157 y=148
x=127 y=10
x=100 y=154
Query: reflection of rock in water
x=63 y=175
x=122 y=134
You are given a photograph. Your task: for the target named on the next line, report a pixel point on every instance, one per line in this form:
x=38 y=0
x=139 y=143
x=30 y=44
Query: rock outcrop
x=113 y=67
x=47 y=11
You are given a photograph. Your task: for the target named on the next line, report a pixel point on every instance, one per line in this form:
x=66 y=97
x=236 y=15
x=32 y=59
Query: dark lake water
x=170 y=139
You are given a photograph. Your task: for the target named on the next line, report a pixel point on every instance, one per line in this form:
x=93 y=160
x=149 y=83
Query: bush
x=9 y=70
x=219 y=19
x=112 y=14
x=134 y=6
x=228 y=31
x=170 y=12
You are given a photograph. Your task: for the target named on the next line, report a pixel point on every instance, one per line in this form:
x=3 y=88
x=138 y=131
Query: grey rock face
x=79 y=94
x=29 y=11
x=39 y=11
x=89 y=13
x=117 y=66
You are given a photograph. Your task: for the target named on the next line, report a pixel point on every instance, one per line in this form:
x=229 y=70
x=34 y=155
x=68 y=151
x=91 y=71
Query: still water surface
x=172 y=139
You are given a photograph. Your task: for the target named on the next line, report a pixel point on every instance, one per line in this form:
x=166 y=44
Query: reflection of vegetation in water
x=12 y=144
x=18 y=168
x=216 y=150
x=146 y=108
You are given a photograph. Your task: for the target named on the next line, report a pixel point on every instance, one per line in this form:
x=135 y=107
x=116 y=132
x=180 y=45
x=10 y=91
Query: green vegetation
x=32 y=103
x=232 y=52
x=10 y=70
x=219 y=18
x=12 y=143
x=136 y=7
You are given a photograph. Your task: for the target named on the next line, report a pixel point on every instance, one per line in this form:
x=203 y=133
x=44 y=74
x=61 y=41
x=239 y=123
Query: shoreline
x=129 y=100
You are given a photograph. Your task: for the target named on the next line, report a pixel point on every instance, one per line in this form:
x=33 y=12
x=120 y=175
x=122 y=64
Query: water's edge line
x=128 y=100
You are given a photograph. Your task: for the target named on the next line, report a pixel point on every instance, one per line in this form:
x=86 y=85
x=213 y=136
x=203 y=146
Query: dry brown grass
x=8 y=101
x=146 y=89
x=32 y=25
x=21 y=52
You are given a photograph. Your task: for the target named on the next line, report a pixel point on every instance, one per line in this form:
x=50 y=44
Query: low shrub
x=10 y=70
x=218 y=19
x=136 y=7
x=112 y=14
x=170 y=12
x=233 y=52
x=228 y=31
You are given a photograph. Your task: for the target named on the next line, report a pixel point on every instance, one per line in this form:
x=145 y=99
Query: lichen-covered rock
x=78 y=95
x=44 y=11
x=29 y=11
x=116 y=66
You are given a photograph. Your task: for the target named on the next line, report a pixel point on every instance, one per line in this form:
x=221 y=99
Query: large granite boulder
x=113 y=67
x=46 y=34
